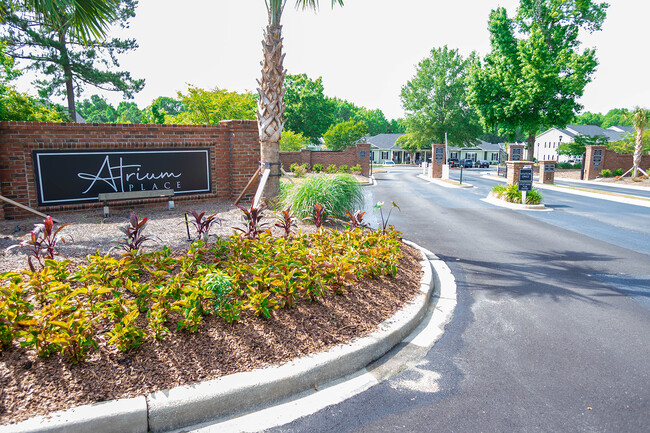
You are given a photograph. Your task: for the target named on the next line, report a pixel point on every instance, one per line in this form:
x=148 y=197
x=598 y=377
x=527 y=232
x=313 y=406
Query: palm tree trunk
x=638 y=151
x=271 y=107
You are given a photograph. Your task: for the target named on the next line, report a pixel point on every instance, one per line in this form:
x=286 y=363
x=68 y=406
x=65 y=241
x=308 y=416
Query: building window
x=495 y=156
x=384 y=155
x=471 y=156
x=453 y=155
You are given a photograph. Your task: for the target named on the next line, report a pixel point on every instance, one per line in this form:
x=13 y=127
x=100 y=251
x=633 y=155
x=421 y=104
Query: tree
x=579 y=144
x=396 y=126
x=616 y=116
x=97 y=110
x=411 y=143
x=588 y=118
x=639 y=119
x=435 y=100
x=209 y=107
x=19 y=106
x=344 y=134
x=628 y=144
x=535 y=81
x=128 y=112
x=307 y=110
x=65 y=54
x=374 y=120
x=292 y=141
x=271 y=91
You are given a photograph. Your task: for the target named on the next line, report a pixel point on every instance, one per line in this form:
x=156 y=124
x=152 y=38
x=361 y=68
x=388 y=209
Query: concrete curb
x=128 y=415
x=193 y=404
x=516 y=206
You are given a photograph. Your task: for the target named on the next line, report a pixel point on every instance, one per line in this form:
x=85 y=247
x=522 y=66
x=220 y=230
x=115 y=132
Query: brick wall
x=351 y=156
x=610 y=161
x=234 y=152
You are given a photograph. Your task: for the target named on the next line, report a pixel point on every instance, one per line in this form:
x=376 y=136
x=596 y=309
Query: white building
x=547 y=142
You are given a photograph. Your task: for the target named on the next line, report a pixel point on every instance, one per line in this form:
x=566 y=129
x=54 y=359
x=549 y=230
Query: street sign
x=526 y=179
x=516 y=154
x=597 y=158
x=439 y=154
x=549 y=168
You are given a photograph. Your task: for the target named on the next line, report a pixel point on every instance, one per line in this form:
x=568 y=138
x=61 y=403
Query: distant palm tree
x=271 y=90
x=639 y=118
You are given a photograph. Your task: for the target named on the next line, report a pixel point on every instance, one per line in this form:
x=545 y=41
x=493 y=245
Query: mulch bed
x=31 y=386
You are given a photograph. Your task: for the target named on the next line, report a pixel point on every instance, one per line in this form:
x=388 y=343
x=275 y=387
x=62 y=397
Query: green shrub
x=337 y=193
x=318 y=168
x=293 y=166
x=343 y=168
x=512 y=194
x=305 y=167
x=356 y=169
x=606 y=173
x=331 y=169
x=618 y=172
x=299 y=171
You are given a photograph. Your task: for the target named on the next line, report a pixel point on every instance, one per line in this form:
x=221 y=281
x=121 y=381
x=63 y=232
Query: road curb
x=516 y=206
x=193 y=404
x=443 y=183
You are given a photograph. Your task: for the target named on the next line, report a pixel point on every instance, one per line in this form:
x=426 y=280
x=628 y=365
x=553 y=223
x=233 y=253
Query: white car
x=389 y=163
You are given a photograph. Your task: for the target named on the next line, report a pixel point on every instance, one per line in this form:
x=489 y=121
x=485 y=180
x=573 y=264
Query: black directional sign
x=439 y=155
x=526 y=179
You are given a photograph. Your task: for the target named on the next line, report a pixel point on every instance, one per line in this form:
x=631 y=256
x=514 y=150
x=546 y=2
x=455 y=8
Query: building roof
x=482 y=145
x=383 y=141
x=613 y=133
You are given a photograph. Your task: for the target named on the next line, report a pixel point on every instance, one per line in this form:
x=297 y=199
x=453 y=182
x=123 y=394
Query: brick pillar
x=2 y=207
x=593 y=162
x=547 y=171
x=516 y=152
x=437 y=160
x=513 y=170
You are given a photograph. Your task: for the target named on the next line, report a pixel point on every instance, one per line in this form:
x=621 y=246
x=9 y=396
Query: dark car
x=468 y=163
x=482 y=164
x=453 y=162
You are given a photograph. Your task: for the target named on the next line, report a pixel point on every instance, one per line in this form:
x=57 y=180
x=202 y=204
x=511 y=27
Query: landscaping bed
x=32 y=385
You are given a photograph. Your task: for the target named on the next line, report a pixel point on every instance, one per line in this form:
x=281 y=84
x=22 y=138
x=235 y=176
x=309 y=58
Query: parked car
x=482 y=164
x=468 y=163
x=453 y=162
x=389 y=163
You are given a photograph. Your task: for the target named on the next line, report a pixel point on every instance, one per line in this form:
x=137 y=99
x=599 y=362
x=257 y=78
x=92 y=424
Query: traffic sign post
x=525 y=182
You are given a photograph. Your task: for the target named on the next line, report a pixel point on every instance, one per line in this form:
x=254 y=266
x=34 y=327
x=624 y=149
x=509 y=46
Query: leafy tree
x=435 y=100
x=411 y=143
x=343 y=110
x=627 y=145
x=374 y=120
x=19 y=106
x=397 y=126
x=97 y=110
x=271 y=92
x=68 y=55
x=616 y=116
x=307 y=110
x=292 y=140
x=580 y=143
x=128 y=112
x=535 y=81
x=344 y=134
x=588 y=118
x=209 y=107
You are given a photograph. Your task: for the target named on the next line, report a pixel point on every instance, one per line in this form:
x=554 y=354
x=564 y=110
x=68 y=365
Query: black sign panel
x=549 y=168
x=516 y=154
x=597 y=158
x=439 y=155
x=79 y=176
x=526 y=179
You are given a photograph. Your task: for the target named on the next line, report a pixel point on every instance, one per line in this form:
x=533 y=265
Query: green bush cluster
x=337 y=193
x=606 y=173
x=618 y=172
x=142 y=295
x=331 y=169
x=511 y=194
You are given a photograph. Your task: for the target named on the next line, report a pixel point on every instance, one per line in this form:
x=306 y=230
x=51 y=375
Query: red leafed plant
x=42 y=241
x=355 y=219
x=253 y=219
x=286 y=220
x=133 y=234
x=319 y=215
x=203 y=223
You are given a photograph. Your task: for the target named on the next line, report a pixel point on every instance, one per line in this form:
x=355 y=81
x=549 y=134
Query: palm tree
x=271 y=91
x=639 y=118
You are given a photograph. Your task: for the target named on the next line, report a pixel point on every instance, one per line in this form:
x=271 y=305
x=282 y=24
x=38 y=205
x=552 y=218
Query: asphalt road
x=552 y=328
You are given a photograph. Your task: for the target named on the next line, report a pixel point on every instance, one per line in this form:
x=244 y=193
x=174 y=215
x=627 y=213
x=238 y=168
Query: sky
x=364 y=51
